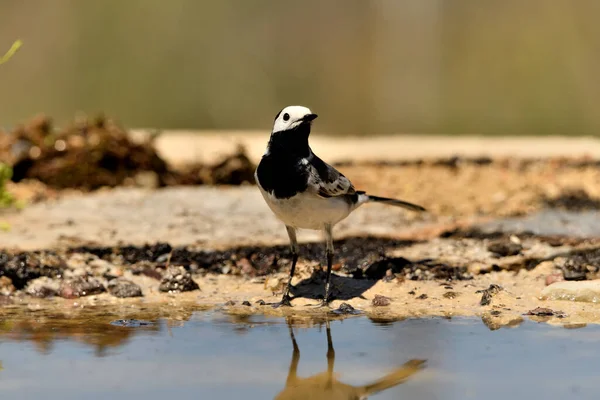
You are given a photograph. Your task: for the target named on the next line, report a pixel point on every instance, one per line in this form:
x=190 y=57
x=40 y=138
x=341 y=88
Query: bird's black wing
x=326 y=181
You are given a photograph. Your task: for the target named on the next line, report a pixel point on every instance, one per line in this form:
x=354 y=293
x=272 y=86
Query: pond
x=212 y=355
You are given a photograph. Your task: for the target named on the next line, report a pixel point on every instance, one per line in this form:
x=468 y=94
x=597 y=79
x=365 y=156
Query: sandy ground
x=214 y=217
x=211 y=217
x=186 y=146
x=520 y=294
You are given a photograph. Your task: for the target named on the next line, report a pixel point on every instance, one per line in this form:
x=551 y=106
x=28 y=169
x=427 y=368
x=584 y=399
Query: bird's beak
x=309 y=117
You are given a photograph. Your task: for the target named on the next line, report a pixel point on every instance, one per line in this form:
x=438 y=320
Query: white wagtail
x=303 y=191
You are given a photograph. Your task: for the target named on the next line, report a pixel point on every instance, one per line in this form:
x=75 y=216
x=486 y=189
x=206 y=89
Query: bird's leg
x=286 y=299
x=329 y=254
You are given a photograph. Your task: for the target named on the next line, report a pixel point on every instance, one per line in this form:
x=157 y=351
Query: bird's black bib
x=280 y=171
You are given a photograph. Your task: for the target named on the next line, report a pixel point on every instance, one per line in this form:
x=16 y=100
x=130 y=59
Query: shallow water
x=211 y=355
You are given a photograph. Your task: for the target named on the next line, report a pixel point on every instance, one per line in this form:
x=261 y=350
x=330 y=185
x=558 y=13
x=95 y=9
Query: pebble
x=544 y=312
x=176 y=280
x=381 y=301
x=81 y=286
x=6 y=286
x=505 y=248
x=345 y=309
x=42 y=287
x=77 y=262
x=123 y=288
x=487 y=294
x=585 y=291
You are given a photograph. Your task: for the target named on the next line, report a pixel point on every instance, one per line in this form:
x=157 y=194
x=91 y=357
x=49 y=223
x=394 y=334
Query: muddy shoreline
x=384 y=279
x=506 y=238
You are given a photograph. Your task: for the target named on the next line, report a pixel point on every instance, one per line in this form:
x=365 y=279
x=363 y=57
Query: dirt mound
x=89 y=154
x=234 y=169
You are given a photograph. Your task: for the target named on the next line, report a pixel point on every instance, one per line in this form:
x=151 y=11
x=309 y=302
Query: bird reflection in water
x=325 y=385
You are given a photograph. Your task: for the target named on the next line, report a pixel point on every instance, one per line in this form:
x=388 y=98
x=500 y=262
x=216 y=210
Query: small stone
x=123 y=288
x=487 y=294
x=505 y=248
x=246 y=303
x=246 y=266
x=76 y=261
x=230 y=303
x=381 y=301
x=345 y=309
x=24 y=267
x=42 y=287
x=260 y=302
x=177 y=280
x=6 y=286
x=451 y=295
x=574 y=275
x=542 y=312
x=389 y=276
x=163 y=258
x=101 y=266
x=515 y=239
x=422 y=297
x=79 y=287
x=585 y=291
x=226 y=269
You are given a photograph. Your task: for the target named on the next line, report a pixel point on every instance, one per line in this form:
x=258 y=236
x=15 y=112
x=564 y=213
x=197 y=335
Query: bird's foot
x=286 y=301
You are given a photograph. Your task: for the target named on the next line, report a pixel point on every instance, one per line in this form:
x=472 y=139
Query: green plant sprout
x=6 y=199
x=11 y=52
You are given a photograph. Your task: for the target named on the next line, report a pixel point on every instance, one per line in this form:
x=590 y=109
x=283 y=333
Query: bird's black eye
x=286 y=117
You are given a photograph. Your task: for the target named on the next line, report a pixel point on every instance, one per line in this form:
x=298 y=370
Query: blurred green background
x=367 y=67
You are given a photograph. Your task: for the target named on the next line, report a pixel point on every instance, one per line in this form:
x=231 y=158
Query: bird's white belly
x=307 y=210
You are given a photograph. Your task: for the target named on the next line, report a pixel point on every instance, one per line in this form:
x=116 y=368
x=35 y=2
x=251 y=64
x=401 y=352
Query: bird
x=326 y=386
x=304 y=192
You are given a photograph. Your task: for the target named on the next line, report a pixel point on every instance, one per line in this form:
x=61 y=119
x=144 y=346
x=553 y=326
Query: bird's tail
x=397 y=377
x=365 y=198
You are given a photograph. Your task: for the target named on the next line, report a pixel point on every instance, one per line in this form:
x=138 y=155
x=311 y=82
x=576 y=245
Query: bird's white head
x=292 y=117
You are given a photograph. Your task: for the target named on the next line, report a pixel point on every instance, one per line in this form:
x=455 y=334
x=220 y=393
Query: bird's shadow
x=325 y=385
x=342 y=287
x=353 y=253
